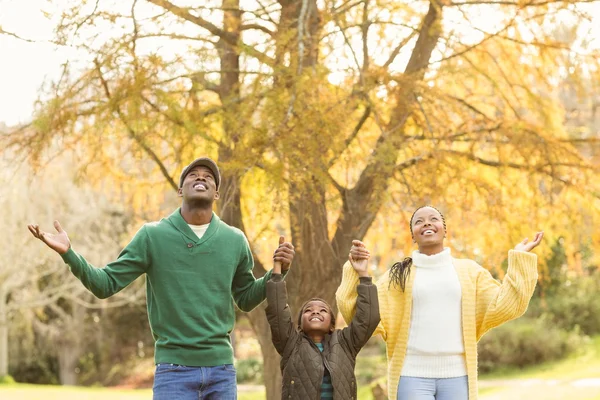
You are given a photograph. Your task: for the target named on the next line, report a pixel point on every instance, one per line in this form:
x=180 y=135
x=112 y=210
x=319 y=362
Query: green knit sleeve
x=247 y=291
x=104 y=282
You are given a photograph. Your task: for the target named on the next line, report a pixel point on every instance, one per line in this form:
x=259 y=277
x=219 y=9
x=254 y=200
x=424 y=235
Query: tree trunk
x=271 y=359
x=69 y=340
x=308 y=211
x=3 y=335
x=308 y=222
x=68 y=358
x=361 y=204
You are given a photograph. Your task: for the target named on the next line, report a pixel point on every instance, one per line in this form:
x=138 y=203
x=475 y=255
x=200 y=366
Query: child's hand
x=359 y=258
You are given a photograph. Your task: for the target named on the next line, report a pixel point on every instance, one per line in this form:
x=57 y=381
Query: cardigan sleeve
x=347 y=295
x=497 y=303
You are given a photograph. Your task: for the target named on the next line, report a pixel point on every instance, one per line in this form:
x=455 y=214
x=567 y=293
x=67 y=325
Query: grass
x=48 y=392
x=550 y=381
x=19 y=391
x=585 y=364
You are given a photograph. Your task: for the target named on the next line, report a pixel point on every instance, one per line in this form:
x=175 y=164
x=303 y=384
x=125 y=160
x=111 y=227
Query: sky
x=26 y=65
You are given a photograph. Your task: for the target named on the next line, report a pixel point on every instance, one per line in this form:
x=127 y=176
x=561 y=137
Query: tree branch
x=514 y=3
x=132 y=133
x=228 y=37
x=352 y=136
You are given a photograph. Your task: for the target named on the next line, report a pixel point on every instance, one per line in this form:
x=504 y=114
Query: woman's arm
x=498 y=302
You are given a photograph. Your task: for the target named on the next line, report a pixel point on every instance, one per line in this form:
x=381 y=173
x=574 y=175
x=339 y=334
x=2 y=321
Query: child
x=317 y=361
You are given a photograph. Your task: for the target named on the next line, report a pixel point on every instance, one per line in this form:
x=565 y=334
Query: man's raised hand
x=359 y=258
x=283 y=256
x=58 y=241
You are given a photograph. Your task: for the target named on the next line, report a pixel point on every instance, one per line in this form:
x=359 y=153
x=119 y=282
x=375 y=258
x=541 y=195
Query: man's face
x=199 y=185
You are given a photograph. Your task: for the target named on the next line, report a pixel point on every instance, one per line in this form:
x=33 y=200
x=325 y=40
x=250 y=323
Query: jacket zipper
x=325 y=364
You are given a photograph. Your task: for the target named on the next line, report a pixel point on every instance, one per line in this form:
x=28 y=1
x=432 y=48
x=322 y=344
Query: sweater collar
x=179 y=223
x=438 y=260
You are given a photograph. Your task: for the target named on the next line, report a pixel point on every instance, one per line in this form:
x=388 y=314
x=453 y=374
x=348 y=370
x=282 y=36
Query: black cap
x=204 y=162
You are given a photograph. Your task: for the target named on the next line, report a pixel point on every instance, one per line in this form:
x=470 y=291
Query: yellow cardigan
x=486 y=303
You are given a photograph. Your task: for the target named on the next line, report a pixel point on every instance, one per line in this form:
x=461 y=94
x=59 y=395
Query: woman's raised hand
x=526 y=245
x=359 y=258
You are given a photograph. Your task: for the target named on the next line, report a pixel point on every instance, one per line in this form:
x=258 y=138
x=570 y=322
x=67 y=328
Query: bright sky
x=25 y=66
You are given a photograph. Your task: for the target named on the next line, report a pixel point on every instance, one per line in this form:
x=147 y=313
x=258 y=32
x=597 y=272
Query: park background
x=331 y=120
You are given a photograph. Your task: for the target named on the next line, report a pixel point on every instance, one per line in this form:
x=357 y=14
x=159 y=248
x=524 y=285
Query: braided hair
x=400 y=271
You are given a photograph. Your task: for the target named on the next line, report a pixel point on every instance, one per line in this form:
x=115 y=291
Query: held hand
x=58 y=242
x=359 y=258
x=283 y=256
x=526 y=245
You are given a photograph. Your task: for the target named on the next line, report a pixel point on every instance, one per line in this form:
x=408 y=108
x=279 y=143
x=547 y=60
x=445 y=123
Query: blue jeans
x=411 y=388
x=172 y=381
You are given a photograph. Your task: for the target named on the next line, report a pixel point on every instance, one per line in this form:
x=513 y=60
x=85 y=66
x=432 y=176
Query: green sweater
x=190 y=283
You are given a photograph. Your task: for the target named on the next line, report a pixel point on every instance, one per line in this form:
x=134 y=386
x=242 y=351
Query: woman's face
x=428 y=229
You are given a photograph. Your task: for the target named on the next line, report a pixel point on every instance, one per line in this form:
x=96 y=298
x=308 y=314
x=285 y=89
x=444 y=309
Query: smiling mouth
x=427 y=232
x=315 y=319
x=200 y=186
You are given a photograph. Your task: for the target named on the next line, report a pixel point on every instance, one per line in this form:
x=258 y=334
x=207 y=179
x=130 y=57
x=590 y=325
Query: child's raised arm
x=366 y=317
x=278 y=311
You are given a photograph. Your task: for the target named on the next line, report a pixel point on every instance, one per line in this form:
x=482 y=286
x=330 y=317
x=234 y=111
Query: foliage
x=53 y=320
x=575 y=304
x=249 y=370
x=370 y=368
x=526 y=342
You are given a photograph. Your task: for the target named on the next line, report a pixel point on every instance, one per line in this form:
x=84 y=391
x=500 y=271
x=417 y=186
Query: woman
x=434 y=309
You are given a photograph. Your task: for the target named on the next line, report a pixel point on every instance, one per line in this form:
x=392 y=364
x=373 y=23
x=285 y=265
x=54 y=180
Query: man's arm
x=102 y=282
x=248 y=292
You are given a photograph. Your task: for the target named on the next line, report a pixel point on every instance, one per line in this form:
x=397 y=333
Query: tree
x=341 y=114
x=34 y=279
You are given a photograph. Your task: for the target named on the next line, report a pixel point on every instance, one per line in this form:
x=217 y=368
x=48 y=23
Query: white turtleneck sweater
x=435 y=343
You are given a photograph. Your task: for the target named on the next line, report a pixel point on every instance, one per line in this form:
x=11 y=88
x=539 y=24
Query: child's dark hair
x=400 y=271
x=331 y=328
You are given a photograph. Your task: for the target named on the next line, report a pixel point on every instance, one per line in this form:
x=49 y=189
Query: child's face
x=316 y=318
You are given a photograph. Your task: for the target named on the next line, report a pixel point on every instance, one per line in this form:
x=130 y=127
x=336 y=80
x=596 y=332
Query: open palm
x=526 y=245
x=58 y=241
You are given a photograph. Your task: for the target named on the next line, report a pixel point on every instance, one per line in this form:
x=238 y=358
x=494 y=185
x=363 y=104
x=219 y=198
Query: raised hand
x=359 y=258
x=58 y=242
x=283 y=256
x=526 y=245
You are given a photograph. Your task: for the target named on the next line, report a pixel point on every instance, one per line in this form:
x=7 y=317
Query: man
x=194 y=264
